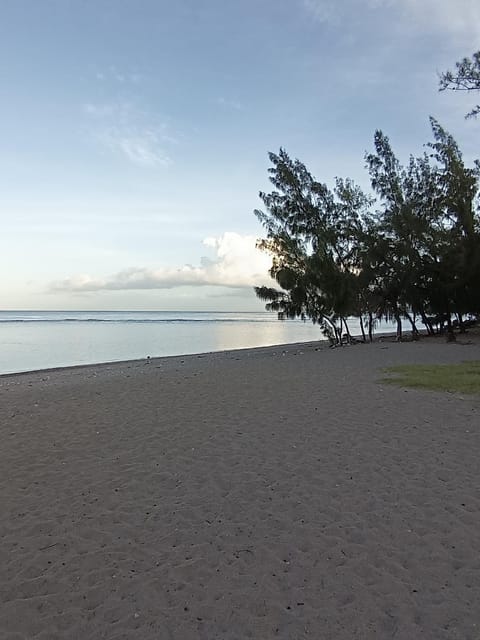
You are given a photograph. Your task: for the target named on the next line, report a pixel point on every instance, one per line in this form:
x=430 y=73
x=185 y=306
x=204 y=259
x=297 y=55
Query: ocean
x=31 y=340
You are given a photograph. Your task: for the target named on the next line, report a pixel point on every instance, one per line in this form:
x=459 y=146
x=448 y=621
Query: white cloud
x=237 y=264
x=116 y=75
x=230 y=104
x=323 y=10
x=458 y=19
x=130 y=132
x=142 y=147
x=99 y=110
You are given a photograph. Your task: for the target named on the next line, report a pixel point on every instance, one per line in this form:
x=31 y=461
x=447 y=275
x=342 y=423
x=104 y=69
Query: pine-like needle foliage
x=413 y=252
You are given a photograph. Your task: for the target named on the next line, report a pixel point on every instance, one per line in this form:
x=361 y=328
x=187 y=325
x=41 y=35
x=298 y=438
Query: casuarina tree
x=465 y=77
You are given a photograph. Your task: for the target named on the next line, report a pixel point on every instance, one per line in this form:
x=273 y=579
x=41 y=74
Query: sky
x=134 y=134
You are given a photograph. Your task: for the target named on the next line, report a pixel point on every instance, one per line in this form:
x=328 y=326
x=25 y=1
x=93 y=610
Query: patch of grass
x=457 y=378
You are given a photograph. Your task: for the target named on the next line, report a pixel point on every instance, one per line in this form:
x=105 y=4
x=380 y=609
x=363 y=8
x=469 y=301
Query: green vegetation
x=466 y=77
x=409 y=251
x=458 y=378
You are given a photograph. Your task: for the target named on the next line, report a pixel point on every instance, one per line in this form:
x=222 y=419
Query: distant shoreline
x=30 y=345
x=31 y=341
x=154 y=360
x=317 y=345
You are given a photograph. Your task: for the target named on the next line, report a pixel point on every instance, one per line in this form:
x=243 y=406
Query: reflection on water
x=38 y=340
x=255 y=335
x=29 y=345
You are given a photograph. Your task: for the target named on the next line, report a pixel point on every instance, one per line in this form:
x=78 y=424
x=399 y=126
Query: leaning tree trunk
x=427 y=323
x=362 y=329
x=333 y=332
x=347 y=331
x=414 y=326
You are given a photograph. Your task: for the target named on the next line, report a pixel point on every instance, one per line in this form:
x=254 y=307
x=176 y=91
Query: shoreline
x=155 y=359
x=37 y=344
x=321 y=344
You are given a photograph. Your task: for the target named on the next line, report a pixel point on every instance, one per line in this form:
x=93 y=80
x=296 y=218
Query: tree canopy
x=466 y=77
x=411 y=252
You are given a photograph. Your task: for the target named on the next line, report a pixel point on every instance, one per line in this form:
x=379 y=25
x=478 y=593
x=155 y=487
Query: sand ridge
x=269 y=493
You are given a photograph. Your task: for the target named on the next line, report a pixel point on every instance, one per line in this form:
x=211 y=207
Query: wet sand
x=266 y=493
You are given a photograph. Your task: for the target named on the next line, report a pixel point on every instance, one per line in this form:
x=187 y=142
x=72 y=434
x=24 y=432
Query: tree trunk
x=347 y=331
x=340 y=331
x=370 y=326
x=414 y=327
x=399 y=327
x=450 y=334
x=362 y=329
x=338 y=334
x=333 y=333
x=427 y=323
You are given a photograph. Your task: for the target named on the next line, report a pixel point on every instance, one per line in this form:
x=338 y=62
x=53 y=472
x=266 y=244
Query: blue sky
x=135 y=133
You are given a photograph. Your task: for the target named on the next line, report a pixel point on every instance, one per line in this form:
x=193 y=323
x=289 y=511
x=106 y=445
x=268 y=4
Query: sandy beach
x=283 y=492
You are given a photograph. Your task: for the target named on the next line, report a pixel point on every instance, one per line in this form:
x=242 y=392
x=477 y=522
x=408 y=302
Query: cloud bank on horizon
x=238 y=264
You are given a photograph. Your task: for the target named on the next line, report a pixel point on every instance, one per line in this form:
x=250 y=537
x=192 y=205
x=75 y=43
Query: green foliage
x=466 y=77
x=416 y=255
x=459 y=378
x=428 y=233
x=312 y=235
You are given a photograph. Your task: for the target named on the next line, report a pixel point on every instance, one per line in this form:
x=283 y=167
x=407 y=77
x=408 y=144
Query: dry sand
x=268 y=493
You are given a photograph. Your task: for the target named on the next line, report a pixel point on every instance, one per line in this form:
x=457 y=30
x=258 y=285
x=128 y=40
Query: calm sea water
x=32 y=340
